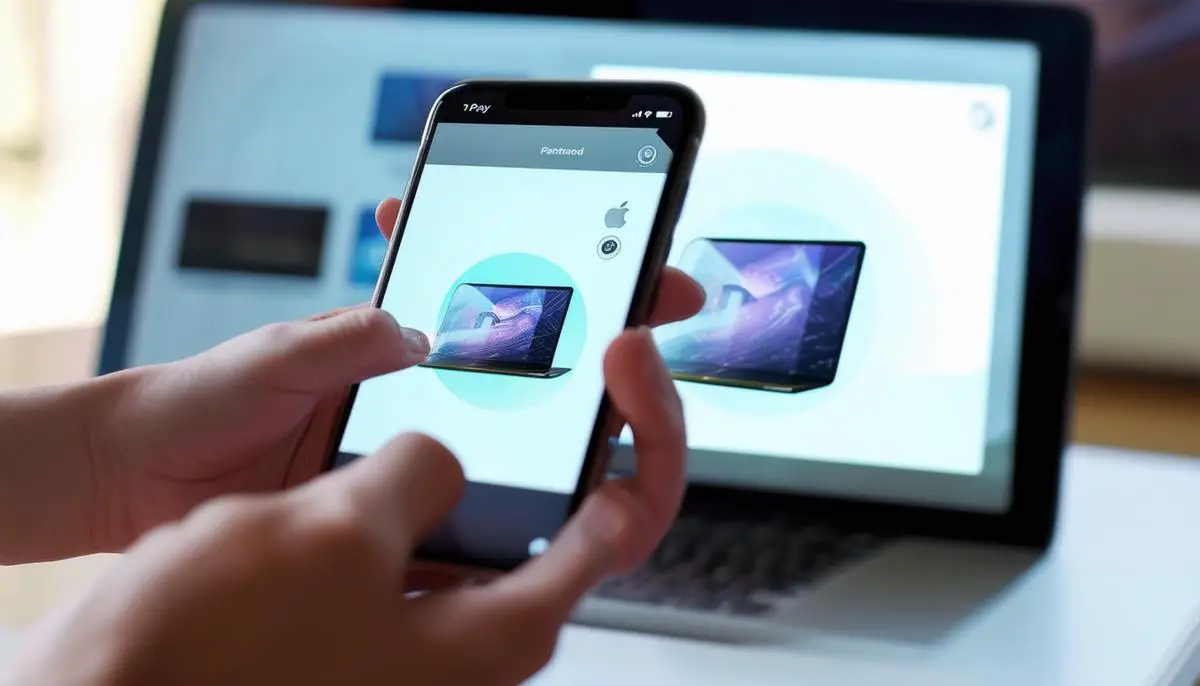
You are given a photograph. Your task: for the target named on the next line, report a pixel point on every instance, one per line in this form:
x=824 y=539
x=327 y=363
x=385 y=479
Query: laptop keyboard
x=735 y=567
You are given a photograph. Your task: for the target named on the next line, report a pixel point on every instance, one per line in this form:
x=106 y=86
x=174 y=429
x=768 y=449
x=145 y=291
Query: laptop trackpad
x=915 y=592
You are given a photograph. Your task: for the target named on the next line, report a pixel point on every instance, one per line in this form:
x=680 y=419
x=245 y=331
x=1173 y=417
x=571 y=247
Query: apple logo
x=615 y=218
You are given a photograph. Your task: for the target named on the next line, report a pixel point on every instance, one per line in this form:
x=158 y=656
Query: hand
x=256 y=413
x=305 y=587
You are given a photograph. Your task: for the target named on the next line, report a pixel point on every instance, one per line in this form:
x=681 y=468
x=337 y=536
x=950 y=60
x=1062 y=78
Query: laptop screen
x=507 y=327
x=858 y=217
x=775 y=315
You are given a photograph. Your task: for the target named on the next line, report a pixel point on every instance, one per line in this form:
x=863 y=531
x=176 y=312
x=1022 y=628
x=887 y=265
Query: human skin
x=245 y=565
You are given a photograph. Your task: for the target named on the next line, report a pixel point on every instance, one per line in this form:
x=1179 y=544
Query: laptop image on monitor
x=775 y=317
x=502 y=329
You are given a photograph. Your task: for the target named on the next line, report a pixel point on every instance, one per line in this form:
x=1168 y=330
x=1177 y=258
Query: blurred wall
x=20 y=67
x=92 y=62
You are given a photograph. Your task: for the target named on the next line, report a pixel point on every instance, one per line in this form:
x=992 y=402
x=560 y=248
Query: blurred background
x=73 y=73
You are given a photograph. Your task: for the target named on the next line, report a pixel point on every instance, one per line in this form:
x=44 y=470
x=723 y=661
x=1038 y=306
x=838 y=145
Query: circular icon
x=538 y=546
x=646 y=155
x=982 y=116
x=609 y=247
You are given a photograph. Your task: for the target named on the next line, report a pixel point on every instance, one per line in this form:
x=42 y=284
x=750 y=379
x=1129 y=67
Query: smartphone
x=533 y=231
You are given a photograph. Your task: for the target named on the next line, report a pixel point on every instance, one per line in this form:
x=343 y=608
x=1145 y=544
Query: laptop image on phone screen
x=775 y=317
x=502 y=329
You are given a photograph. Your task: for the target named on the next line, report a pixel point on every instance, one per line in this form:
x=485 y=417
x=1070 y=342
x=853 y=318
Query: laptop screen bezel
x=1063 y=38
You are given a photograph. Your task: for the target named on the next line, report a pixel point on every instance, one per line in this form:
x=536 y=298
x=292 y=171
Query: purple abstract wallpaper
x=774 y=310
x=501 y=324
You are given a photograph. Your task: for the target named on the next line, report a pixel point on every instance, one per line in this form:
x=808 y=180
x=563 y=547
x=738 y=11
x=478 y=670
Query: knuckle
x=329 y=314
x=334 y=534
x=338 y=531
x=276 y=343
x=229 y=511
x=246 y=525
x=369 y=321
x=279 y=335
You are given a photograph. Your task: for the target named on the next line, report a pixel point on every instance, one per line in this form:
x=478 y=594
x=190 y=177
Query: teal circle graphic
x=808 y=198
x=502 y=392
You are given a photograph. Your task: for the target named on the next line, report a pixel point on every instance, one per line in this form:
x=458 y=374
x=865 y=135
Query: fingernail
x=416 y=342
x=413 y=341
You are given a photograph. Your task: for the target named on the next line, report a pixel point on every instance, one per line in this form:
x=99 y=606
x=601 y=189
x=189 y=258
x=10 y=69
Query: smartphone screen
x=534 y=228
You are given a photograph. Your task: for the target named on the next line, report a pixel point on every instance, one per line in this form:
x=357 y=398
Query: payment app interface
x=519 y=261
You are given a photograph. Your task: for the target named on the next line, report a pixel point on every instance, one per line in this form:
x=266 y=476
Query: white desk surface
x=8 y=642
x=1117 y=601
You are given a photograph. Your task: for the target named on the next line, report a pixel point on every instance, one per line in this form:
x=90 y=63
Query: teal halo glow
x=500 y=392
x=827 y=202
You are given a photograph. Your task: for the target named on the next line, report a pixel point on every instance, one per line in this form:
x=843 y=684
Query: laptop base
x=750 y=385
x=552 y=373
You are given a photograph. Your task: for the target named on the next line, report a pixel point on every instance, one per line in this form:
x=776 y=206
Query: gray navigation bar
x=594 y=148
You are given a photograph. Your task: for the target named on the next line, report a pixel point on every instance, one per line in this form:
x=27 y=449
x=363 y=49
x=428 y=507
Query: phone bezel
x=583 y=96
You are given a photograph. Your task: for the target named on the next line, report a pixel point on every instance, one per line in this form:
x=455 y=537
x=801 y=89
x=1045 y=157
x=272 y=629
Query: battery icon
x=663 y=114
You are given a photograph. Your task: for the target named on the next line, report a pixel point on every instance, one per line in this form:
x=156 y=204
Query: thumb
x=334 y=351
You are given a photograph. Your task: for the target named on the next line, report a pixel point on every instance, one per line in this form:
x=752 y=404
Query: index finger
x=622 y=522
x=387 y=213
x=394 y=497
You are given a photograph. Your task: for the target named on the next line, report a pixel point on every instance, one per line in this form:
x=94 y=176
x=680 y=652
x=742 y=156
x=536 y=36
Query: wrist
x=55 y=479
x=112 y=439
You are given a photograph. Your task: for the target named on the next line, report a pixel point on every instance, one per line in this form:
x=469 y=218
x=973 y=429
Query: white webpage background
x=460 y=216
x=271 y=105
x=923 y=405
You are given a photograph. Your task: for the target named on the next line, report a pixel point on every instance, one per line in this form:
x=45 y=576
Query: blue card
x=370 y=250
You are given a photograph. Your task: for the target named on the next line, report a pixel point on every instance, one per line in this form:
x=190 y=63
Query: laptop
x=774 y=318
x=890 y=461
x=500 y=329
